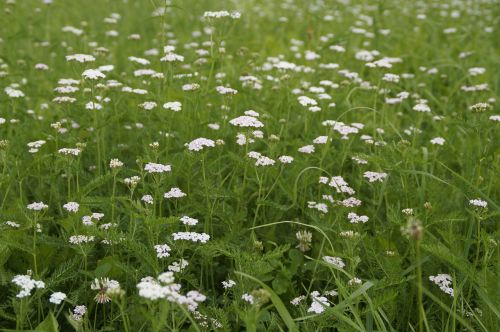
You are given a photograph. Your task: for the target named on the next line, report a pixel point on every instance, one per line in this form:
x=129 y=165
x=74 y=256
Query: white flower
x=246 y=121
x=157 y=168
x=355 y=219
x=115 y=163
x=80 y=58
x=189 y=221
x=199 y=143
x=308 y=149
x=319 y=303
x=162 y=250
x=26 y=284
x=173 y=106
x=228 y=284
x=421 y=107
x=191 y=236
x=478 y=203
x=306 y=101
x=71 y=207
x=174 y=193
x=81 y=239
x=178 y=266
x=70 y=151
x=148 y=199
x=248 y=298
x=375 y=176
x=285 y=159
x=12 y=224
x=93 y=74
x=438 y=141
x=336 y=261
x=57 y=297
x=444 y=281
x=37 y=206
x=264 y=161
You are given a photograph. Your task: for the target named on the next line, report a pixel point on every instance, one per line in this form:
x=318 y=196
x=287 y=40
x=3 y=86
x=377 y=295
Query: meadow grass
x=249 y=165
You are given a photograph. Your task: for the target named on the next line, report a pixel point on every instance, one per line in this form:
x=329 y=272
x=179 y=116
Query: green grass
x=252 y=214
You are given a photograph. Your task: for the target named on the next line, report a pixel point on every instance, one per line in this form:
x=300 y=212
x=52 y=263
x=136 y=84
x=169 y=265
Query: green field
x=251 y=165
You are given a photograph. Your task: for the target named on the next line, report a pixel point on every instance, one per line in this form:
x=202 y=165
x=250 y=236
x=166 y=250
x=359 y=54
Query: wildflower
x=480 y=107
x=13 y=93
x=478 y=203
x=336 y=261
x=355 y=219
x=93 y=74
x=189 y=221
x=106 y=287
x=354 y=281
x=246 y=121
x=264 y=161
x=319 y=303
x=226 y=90
x=190 y=87
x=305 y=240
x=26 y=284
x=115 y=163
x=78 y=312
x=81 y=239
x=148 y=199
x=132 y=181
x=173 y=106
x=438 y=141
x=82 y=58
x=174 y=193
x=71 y=207
x=444 y=282
x=57 y=297
x=308 y=149
x=248 y=298
x=199 y=143
x=162 y=250
x=12 y=224
x=157 y=168
x=191 y=236
x=228 y=284
x=285 y=159
x=422 y=107
x=296 y=301
x=178 y=266
x=37 y=206
x=375 y=176
x=407 y=211
x=70 y=151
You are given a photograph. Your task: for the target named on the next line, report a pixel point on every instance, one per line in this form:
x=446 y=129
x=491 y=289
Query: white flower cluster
x=199 y=143
x=374 y=176
x=478 y=203
x=26 y=284
x=78 y=312
x=174 y=193
x=115 y=163
x=35 y=146
x=82 y=58
x=162 y=250
x=57 y=297
x=165 y=288
x=71 y=207
x=93 y=74
x=338 y=183
x=444 y=282
x=88 y=220
x=226 y=90
x=178 y=266
x=228 y=284
x=70 y=151
x=173 y=106
x=81 y=239
x=189 y=221
x=191 y=236
x=355 y=219
x=321 y=207
x=336 y=261
x=37 y=206
x=157 y=168
x=221 y=14
x=246 y=121
x=319 y=303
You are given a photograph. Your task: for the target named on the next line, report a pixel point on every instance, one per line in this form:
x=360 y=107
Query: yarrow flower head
x=26 y=284
x=444 y=281
x=115 y=163
x=93 y=74
x=57 y=297
x=246 y=121
x=37 y=206
x=162 y=250
x=374 y=176
x=200 y=143
x=157 y=168
x=336 y=261
x=71 y=207
x=174 y=193
x=106 y=288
